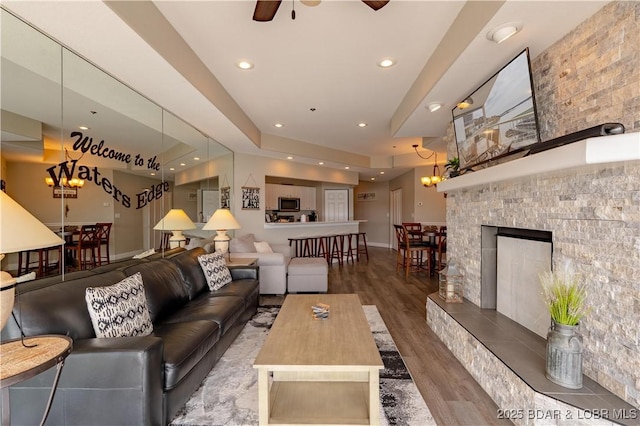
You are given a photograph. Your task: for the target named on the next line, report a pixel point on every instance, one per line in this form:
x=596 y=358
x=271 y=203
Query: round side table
x=24 y=361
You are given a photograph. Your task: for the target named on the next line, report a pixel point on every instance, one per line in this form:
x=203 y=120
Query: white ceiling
x=324 y=59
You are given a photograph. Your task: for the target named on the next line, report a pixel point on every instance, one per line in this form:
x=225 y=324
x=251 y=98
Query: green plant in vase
x=453 y=166
x=565 y=297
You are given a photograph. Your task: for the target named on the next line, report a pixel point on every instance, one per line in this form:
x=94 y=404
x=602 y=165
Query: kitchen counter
x=281 y=233
x=297 y=225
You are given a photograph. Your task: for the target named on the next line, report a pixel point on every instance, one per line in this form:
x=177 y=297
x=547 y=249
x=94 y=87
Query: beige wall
x=131 y=225
x=375 y=212
x=430 y=205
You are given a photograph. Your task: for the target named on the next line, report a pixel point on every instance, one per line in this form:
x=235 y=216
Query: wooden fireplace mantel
x=599 y=150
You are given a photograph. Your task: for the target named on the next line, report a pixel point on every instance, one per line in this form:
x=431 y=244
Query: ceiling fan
x=266 y=9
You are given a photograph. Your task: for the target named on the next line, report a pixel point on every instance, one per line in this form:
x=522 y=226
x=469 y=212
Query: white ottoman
x=307 y=274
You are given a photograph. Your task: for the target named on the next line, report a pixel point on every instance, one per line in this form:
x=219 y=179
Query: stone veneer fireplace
x=586 y=194
x=592 y=212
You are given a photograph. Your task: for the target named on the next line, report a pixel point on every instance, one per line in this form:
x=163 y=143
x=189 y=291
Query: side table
x=19 y=363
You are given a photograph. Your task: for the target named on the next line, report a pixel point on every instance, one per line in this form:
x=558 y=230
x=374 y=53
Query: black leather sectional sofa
x=130 y=380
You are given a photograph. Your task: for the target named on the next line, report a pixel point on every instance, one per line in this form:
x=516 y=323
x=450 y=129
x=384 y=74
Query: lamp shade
x=20 y=230
x=175 y=220
x=221 y=219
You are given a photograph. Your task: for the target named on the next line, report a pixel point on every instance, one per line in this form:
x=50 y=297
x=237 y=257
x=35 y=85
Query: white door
x=396 y=215
x=336 y=205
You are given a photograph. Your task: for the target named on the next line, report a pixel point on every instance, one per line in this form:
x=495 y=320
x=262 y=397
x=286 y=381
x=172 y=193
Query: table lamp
x=175 y=221
x=19 y=231
x=221 y=221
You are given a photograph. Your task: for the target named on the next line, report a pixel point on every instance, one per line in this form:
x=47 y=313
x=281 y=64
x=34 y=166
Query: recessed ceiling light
x=503 y=32
x=289 y=158
x=196 y=158
x=244 y=65
x=386 y=62
x=373 y=178
x=153 y=174
x=363 y=124
x=434 y=106
x=278 y=125
x=172 y=168
x=381 y=173
x=321 y=163
x=183 y=164
x=346 y=167
x=83 y=127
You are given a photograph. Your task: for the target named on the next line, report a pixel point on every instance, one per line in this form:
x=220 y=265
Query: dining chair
x=416 y=256
x=44 y=264
x=414 y=229
x=85 y=249
x=103 y=233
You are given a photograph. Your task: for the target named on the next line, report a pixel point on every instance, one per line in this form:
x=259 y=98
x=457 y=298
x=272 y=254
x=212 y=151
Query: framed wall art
x=366 y=196
x=225 y=198
x=250 y=198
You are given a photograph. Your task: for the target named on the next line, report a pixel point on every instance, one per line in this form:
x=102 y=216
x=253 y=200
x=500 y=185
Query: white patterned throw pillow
x=215 y=270
x=119 y=310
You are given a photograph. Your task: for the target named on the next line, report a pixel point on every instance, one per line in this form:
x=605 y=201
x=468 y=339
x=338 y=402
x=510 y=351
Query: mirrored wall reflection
x=80 y=148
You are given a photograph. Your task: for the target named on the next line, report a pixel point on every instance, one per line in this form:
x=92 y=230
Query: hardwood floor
x=452 y=395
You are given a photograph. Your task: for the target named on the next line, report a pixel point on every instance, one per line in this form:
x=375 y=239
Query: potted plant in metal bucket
x=565 y=298
x=453 y=166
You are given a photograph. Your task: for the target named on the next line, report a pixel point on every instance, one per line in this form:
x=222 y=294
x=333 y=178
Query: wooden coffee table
x=321 y=371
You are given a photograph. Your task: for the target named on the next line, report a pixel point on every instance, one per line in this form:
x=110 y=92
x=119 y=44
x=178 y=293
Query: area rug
x=229 y=394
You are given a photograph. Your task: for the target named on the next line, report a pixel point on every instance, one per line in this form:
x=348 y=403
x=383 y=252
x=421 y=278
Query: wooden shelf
x=319 y=403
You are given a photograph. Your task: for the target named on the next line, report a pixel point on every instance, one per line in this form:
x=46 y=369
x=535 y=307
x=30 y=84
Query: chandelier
x=69 y=183
x=64 y=181
x=436 y=176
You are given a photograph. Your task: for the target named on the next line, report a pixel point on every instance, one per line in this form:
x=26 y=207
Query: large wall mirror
x=64 y=118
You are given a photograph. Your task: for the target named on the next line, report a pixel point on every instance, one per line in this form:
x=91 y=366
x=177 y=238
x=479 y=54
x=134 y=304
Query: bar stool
x=309 y=247
x=296 y=243
x=337 y=248
x=359 y=250
x=351 y=250
x=323 y=248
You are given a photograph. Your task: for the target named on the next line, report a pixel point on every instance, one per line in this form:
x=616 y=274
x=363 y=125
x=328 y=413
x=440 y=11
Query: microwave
x=288 y=204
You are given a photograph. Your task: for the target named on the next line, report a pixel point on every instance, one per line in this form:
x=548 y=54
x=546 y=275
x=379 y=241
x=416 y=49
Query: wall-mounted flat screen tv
x=499 y=118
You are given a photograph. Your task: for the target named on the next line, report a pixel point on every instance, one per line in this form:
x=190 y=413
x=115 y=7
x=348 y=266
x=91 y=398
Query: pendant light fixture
x=436 y=176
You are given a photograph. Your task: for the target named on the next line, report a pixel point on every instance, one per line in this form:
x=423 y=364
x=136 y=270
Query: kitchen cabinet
x=307 y=198
x=271 y=197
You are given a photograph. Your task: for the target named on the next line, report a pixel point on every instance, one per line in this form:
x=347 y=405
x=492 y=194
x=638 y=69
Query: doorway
x=395 y=210
x=336 y=205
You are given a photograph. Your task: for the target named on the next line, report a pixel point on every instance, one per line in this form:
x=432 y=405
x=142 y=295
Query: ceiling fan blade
x=265 y=10
x=375 y=5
